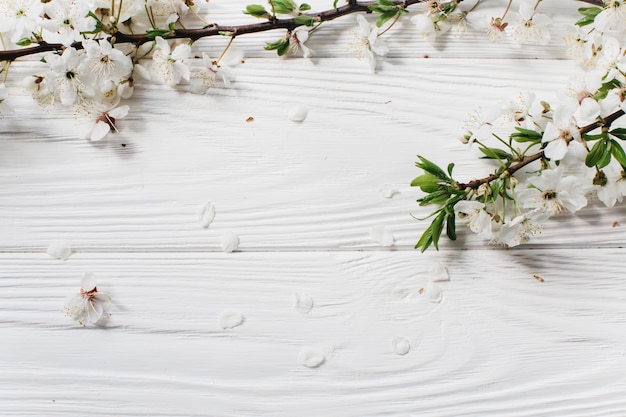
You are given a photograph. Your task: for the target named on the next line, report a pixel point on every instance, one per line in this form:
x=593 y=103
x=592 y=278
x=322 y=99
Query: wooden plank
x=499 y=343
x=276 y=183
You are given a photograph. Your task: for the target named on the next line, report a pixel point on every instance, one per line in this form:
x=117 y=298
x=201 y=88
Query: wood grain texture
x=303 y=198
x=499 y=343
x=276 y=183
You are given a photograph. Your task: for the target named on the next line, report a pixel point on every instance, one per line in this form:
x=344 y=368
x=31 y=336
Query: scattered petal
x=401 y=346
x=298 y=113
x=231 y=319
x=434 y=293
x=388 y=190
x=439 y=273
x=382 y=236
x=311 y=358
x=230 y=242
x=207 y=214
x=304 y=302
x=59 y=249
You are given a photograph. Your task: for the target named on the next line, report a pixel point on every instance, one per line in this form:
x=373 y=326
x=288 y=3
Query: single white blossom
x=170 y=67
x=89 y=306
x=106 y=122
x=474 y=215
x=612 y=17
x=367 y=44
x=560 y=132
x=529 y=27
x=297 y=38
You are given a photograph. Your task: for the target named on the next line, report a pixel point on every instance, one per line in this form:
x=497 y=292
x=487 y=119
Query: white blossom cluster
x=91 y=72
x=580 y=152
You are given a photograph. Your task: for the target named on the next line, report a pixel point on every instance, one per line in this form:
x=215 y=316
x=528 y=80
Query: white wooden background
x=303 y=198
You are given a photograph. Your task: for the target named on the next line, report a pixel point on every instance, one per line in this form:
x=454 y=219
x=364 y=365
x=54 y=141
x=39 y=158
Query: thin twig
x=475 y=184
x=215 y=29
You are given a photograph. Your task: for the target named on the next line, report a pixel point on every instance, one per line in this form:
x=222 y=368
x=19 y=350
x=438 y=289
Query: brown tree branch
x=606 y=122
x=216 y=29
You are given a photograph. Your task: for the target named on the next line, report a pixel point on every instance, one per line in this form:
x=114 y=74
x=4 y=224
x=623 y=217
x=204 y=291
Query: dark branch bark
x=607 y=121
x=215 y=29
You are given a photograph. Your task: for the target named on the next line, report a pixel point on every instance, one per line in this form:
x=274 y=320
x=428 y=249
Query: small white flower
x=297 y=39
x=170 y=67
x=66 y=20
x=367 y=44
x=517 y=231
x=106 y=122
x=561 y=131
x=613 y=17
x=106 y=62
x=71 y=85
x=553 y=193
x=89 y=306
x=205 y=77
x=474 y=215
x=529 y=27
x=429 y=29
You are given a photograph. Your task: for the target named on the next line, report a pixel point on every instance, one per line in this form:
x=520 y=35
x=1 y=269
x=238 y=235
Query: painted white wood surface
x=303 y=198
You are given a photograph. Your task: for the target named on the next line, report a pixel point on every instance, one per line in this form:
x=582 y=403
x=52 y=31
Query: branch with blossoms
x=550 y=157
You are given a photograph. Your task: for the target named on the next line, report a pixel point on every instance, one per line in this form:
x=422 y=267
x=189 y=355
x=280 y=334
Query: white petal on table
x=206 y=214
x=304 y=302
x=382 y=236
x=231 y=319
x=59 y=249
x=298 y=113
x=230 y=242
x=401 y=345
x=311 y=358
x=433 y=292
x=388 y=190
x=439 y=273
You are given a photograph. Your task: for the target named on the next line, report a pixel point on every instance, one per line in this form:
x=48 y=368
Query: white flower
x=612 y=185
x=66 y=19
x=70 y=83
x=367 y=44
x=529 y=27
x=297 y=39
x=474 y=215
x=19 y=17
x=560 y=132
x=204 y=77
x=553 y=193
x=613 y=17
x=518 y=230
x=429 y=29
x=106 y=62
x=89 y=306
x=170 y=67
x=106 y=122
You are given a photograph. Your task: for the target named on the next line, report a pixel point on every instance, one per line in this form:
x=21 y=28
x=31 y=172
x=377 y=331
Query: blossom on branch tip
x=367 y=44
x=89 y=306
x=170 y=67
x=297 y=38
x=106 y=122
x=529 y=27
x=560 y=131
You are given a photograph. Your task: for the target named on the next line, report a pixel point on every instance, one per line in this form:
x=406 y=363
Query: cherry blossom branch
x=215 y=29
x=475 y=184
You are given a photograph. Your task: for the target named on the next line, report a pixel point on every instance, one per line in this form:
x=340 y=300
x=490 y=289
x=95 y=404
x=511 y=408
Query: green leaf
x=589 y=11
x=438 y=228
x=425 y=179
x=257 y=10
x=595 y=153
x=281 y=46
x=153 y=33
x=450 y=168
x=435 y=197
x=335 y=4
x=605 y=159
x=618 y=153
x=451 y=226
x=304 y=20
x=385 y=17
x=588 y=137
x=432 y=168
x=304 y=7
x=619 y=133
x=496 y=153
x=426 y=239
x=23 y=42
x=526 y=135
x=283 y=6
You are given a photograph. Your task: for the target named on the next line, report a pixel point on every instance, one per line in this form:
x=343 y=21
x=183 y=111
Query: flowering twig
x=215 y=29
x=475 y=184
